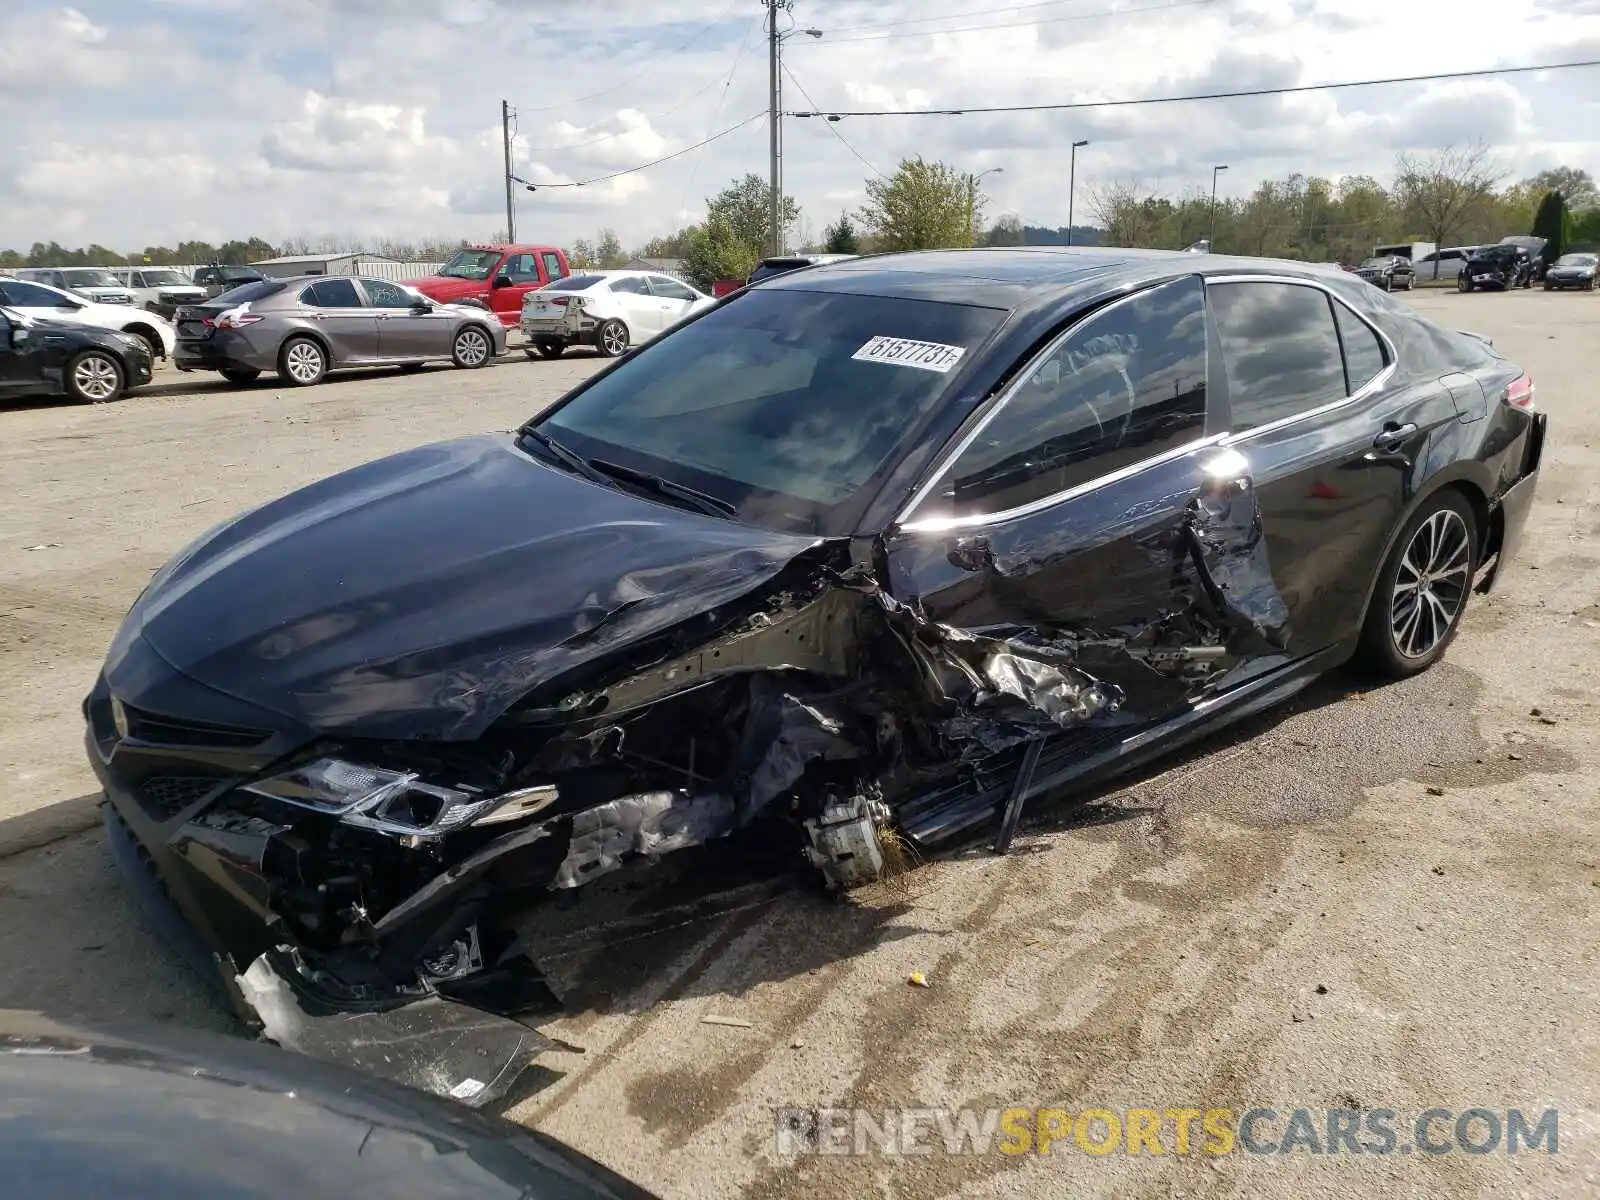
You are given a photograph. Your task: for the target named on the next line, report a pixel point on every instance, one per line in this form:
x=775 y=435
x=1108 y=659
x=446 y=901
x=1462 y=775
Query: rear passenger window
x=332 y=293
x=1124 y=385
x=1280 y=348
x=1363 y=352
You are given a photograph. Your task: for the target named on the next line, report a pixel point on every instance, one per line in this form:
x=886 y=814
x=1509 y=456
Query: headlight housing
x=393 y=801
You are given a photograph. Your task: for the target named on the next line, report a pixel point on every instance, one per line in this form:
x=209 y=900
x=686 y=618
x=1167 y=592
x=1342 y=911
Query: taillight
x=561 y=301
x=236 y=320
x=1520 y=393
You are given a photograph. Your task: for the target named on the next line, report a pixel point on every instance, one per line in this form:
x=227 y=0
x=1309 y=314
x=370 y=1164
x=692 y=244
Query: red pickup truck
x=497 y=277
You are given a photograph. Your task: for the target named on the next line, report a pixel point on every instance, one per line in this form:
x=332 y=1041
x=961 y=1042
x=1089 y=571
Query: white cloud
x=140 y=121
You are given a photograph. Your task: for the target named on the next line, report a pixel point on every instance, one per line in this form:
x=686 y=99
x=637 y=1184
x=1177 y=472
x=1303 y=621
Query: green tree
x=1550 y=223
x=736 y=232
x=1440 y=193
x=674 y=245
x=582 y=256
x=608 y=250
x=1576 y=186
x=840 y=237
x=1007 y=231
x=922 y=206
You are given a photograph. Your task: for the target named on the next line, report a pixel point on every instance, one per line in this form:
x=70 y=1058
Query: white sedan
x=54 y=304
x=609 y=310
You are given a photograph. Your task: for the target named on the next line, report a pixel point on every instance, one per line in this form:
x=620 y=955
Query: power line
x=831 y=127
x=1297 y=89
x=727 y=84
x=605 y=137
x=655 y=162
x=1106 y=15
x=645 y=70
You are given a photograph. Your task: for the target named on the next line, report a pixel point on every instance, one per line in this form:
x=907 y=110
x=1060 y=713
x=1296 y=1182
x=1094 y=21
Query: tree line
x=1452 y=196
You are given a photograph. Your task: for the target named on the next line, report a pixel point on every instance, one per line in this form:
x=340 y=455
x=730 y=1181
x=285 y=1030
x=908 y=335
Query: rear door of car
x=1330 y=425
x=1092 y=511
x=21 y=352
x=338 y=310
x=405 y=332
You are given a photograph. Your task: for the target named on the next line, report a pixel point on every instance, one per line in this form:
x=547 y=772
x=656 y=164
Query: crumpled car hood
x=422 y=595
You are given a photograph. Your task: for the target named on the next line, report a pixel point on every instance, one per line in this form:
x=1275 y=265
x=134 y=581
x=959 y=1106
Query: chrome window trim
x=1376 y=384
x=949 y=458
x=941 y=524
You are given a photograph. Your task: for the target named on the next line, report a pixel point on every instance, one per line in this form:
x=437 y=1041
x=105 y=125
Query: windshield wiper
x=568 y=457
x=703 y=501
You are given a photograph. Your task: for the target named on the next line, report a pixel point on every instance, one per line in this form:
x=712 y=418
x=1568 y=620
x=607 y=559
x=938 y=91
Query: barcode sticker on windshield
x=903 y=352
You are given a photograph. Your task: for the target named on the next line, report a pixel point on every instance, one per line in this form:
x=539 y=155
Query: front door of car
x=517 y=276
x=1331 y=431
x=640 y=308
x=340 y=313
x=675 y=300
x=1092 y=514
x=405 y=330
x=20 y=350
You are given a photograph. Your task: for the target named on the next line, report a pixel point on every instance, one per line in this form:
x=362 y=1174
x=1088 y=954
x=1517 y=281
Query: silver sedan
x=304 y=328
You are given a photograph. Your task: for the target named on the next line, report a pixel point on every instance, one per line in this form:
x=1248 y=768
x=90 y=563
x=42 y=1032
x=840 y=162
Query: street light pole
x=1072 y=187
x=1211 y=234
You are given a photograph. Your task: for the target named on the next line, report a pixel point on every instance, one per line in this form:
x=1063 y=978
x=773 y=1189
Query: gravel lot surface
x=1379 y=898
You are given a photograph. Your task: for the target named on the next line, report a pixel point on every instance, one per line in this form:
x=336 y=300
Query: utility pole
x=775 y=120
x=505 y=135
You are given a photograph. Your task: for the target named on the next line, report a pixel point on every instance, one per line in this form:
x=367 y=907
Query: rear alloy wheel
x=1422 y=590
x=611 y=339
x=302 y=362
x=94 y=377
x=472 y=348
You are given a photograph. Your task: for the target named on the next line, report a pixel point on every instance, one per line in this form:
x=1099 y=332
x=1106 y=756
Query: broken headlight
x=393 y=802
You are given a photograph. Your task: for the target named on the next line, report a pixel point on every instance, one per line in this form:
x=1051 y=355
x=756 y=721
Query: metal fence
x=399 y=272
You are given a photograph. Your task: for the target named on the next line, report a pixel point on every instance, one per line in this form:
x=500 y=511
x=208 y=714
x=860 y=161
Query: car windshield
x=574 y=283
x=786 y=404
x=1576 y=260
x=165 y=278
x=470 y=264
x=258 y=289
x=88 y=277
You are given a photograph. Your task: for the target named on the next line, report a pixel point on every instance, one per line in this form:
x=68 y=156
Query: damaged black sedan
x=868 y=556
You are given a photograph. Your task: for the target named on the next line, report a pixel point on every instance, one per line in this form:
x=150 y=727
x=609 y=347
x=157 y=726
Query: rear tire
x=1421 y=592
x=471 y=348
x=1463 y=284
x=545 y=349
x=240 y=374
x=302 y=362
x=95 y=377
x=612 y=338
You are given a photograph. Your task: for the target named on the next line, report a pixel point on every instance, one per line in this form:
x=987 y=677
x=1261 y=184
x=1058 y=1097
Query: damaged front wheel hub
x=845 y=845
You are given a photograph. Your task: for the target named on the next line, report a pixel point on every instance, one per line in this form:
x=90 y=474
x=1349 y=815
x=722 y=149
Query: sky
x=139 y=122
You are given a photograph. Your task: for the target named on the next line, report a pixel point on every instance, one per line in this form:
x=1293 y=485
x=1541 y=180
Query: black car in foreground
x=1572 y=271
x=865 y=558
x=1500 y=267
x=1388 y=272
x=159 y=1114
x=40 y=357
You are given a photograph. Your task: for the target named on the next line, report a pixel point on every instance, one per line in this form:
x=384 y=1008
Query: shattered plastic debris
x=918 y=979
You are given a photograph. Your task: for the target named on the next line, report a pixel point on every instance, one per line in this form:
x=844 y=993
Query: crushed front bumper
x=196 y=891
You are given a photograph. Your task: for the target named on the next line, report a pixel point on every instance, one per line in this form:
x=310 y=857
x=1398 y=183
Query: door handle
x=1393 y=435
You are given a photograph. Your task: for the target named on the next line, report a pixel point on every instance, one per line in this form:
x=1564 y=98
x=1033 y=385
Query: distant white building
x=318 y=264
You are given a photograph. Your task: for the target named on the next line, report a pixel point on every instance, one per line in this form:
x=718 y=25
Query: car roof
x=1016 y=277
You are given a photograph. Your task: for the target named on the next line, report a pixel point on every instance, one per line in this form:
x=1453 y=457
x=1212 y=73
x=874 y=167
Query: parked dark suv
x=218 y=279
x=1388 y=271
x=1500 y=267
